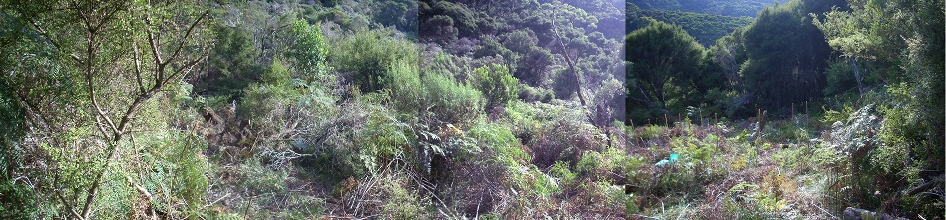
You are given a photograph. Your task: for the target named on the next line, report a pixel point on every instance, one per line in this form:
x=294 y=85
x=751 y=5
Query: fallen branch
x=921 y=188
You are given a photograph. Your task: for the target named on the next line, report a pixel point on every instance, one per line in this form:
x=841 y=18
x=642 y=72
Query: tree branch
x=141 y=86
x=571 y=65
x=186 y=35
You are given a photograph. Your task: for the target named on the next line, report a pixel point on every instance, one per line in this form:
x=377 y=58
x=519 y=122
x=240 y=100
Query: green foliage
x=566 y=178
x=262 y=180
x=383 y=138
x=407 y=92
x=309 y=51
x=564 y=84
x=554 y=132
x=401 y=14
x=11 y=130
x=439 y=29
x=652 y=131
x=179 y=172
x=18 y=201
x=705 y=28
x=492 y=47
x=786 y=53
x=496 y=84
x=329 y=3
x=664 y=61
x=368 y=55
x=901 y=35
x=531 y=94
x=500 y=141
x=457 y=12
x=737 y=8
x=449 y=101
x=402 y=203
x=278 y=74
x=232 y=62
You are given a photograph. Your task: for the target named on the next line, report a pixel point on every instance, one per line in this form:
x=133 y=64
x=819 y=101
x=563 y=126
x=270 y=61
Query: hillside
x=471 y=109
x=733 y=8
x=706 y=28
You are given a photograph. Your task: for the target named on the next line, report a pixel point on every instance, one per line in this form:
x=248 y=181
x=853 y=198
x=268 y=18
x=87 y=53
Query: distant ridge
x=735 y=8
x=705 y=28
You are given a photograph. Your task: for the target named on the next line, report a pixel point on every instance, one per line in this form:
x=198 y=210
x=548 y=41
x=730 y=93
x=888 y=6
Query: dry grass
x=750 y=182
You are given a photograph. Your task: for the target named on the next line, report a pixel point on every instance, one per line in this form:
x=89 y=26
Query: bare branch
x=571 y=65
x=186 y=35
x=155 y=48
x=141 y=86
x=68 y=206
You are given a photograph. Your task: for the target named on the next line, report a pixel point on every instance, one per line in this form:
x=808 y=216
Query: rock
x=851 y=213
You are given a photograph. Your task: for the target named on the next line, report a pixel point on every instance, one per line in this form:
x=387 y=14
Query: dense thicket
x=308 y=109
x=775 y=62
x=875 y=70
x=304 y=109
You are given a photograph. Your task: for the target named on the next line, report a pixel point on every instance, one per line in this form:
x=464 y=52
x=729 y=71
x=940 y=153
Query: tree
x=662 y=58
x=365 y=58
x=401 y=14
x=231 y=64
x=908 y=38
x=117 y=56
x=786 y=55
x=438 y=29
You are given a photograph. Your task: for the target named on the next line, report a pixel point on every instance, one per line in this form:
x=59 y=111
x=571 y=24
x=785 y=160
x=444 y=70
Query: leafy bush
x=496 y=84
x=309 y=51
x=401 y=202
x=499 y=140
x=532 y=94
x=566 y=178
x=18 y=201
x=406 y=90
x=449 y=101
x=232 y=64
x=652 y=131
x=367 y=57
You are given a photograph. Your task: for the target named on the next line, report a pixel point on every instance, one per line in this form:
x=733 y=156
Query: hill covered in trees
x=734 y=8
x=706 y=28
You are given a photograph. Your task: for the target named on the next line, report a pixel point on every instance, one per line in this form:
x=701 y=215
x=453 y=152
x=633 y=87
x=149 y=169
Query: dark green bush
x=16 y=201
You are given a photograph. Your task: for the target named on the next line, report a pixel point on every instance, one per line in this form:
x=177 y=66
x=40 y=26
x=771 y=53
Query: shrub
x=532 y=94
x=496 y=84
x=652 y=131
x=406 y=89
x=566 y=178
x=400 y=202
x=309 y=51
x=232 y=65
x=367 y=57
x=449 y=101
x=17 y=202
x=564 y=139
x=499 y=141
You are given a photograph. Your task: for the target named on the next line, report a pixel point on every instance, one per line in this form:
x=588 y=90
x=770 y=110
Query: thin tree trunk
x=857 y=76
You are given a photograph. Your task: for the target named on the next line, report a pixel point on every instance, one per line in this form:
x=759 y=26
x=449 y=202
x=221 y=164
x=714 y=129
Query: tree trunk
x=857 y=76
